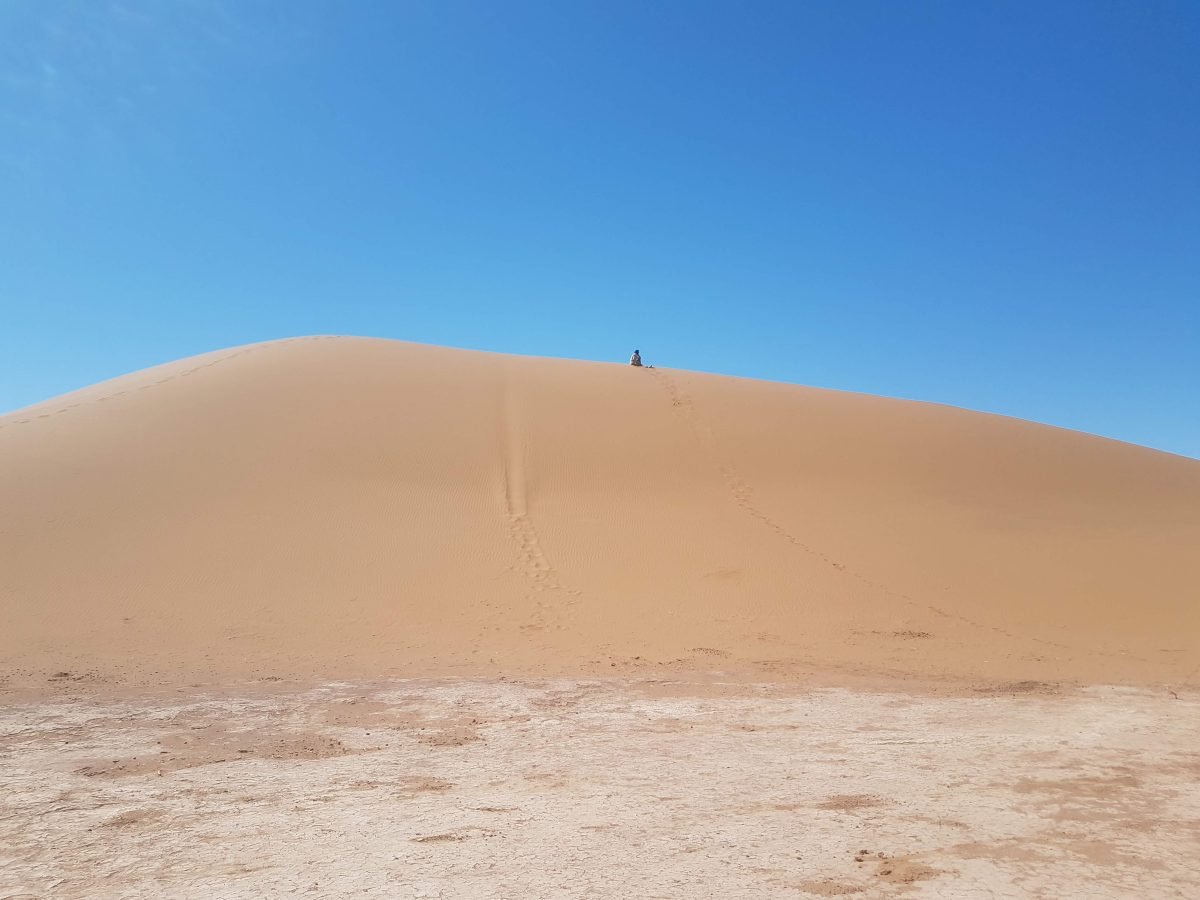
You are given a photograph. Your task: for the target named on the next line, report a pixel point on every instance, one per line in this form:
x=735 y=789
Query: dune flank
x=343 y=507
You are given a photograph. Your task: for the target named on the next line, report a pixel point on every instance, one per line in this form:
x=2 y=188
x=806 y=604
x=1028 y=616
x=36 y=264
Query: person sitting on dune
x=636 y=359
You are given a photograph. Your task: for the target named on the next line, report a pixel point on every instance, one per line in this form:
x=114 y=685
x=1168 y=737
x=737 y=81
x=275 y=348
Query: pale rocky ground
x=484 y=788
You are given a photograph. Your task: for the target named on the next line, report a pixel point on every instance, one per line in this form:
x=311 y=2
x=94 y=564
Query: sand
x=342 y=507
x=343 y=617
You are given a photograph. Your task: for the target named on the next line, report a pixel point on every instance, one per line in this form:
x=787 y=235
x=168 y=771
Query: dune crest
x=356 y=507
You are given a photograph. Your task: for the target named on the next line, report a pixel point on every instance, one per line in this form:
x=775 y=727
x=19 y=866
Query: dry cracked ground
x=573 y=789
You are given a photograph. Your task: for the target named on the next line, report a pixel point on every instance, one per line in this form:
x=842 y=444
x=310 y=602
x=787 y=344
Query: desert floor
x=493 y=788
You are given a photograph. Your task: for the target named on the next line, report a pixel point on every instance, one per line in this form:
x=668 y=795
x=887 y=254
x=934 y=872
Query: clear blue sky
x=994 y=205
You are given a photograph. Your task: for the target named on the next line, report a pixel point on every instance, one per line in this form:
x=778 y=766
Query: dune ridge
x=340 y=507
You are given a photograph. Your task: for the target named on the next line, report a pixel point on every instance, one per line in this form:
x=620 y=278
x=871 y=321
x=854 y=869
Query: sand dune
x=343 y=507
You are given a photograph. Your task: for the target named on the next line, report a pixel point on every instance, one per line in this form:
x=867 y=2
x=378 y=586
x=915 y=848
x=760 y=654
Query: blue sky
x=993 y=205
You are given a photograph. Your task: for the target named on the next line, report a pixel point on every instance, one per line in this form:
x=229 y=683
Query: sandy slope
x=348 y=507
